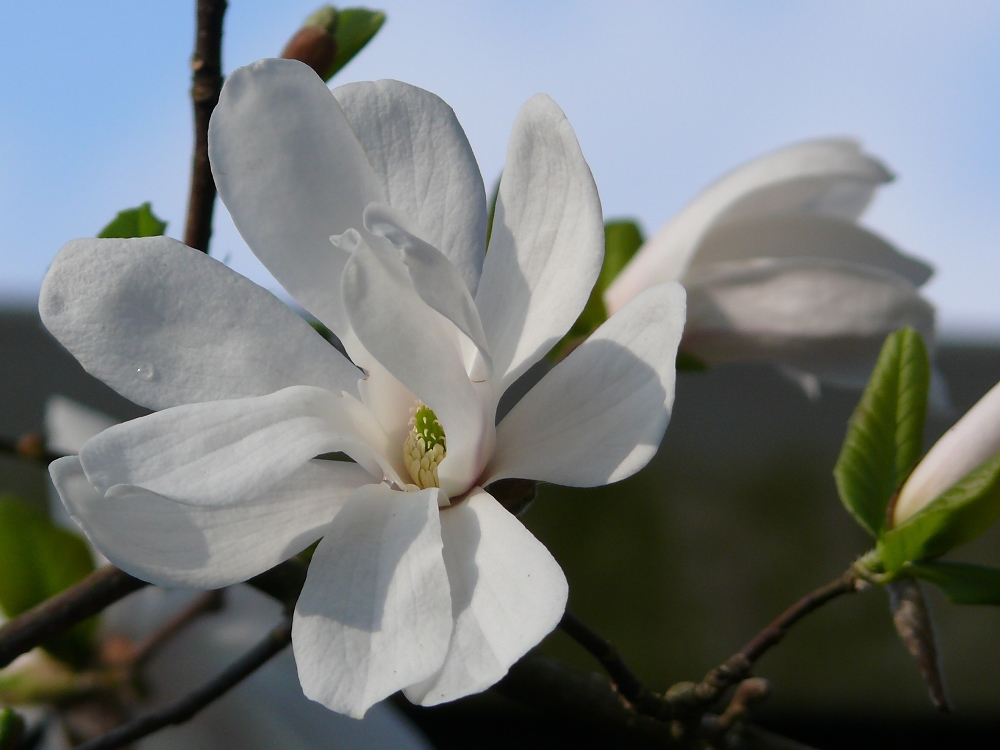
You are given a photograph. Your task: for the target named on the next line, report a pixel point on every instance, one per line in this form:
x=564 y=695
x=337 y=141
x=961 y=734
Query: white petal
x=219 y=452
x=829 y=177
x=292 y=172
x=508 y=593
x=599 y=415
x=174 y=544
x=547 y=243
x=68 y=424
x=969 y=442
x=421 y=349
x=425 y=165
x=166 y=325
x=434 y=277
x=375 y=613
x=807 y=235
x=825 y=317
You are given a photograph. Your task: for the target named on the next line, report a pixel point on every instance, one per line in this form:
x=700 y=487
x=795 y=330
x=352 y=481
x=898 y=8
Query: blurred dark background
x=735 y=518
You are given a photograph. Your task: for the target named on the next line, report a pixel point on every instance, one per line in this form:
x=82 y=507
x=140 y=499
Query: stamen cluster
x=425 y=447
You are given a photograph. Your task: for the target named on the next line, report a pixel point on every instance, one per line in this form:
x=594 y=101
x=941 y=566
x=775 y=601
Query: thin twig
x=181 y=710
x=737 y=667
x=205 y=87
x=623 y=678
x=40 y=624
x=207 y=601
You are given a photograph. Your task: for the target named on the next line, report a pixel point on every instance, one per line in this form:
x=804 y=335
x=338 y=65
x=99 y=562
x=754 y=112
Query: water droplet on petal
x=145 y=371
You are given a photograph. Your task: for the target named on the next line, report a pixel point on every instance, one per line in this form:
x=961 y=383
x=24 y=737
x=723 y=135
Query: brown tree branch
x=181 y=710
x=30 y=447
x=40 y=624
x=207 y=601
x=205 y=87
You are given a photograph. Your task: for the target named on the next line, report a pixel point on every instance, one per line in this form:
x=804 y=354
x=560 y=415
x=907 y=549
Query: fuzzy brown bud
x=912 y=619
x=315 y=47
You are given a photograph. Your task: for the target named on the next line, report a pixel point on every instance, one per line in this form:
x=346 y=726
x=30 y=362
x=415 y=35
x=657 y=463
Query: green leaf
x=885 y=435
x=11 y=728
x=621 y=240
x=38 y=560
x=955 y=517
x=963 y=583
x=135 y=222
x=355 y=28
x=494 y=194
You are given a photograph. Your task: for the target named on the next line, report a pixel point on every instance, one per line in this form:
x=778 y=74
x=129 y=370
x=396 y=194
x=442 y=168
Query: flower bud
x=314 y=43
x=972 y=440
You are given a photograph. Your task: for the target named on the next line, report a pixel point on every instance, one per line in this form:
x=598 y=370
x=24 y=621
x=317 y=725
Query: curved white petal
x=68 y=424
x=375 y=612
x=507 y=592
x=547 y=243
x=219 y=452
x=166 y=325
x=292 y=172
x=807 y=236
x=434 y=277
x=421 y=349
x=816 y=315
x=174 y=544
x=969 y=442
x=599 y=415
x=425 y=165
x=831 y=177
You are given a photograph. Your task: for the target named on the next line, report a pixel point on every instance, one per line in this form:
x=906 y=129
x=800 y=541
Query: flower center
x=424 y=448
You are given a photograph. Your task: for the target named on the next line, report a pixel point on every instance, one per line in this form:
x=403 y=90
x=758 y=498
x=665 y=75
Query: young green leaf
x=135 y=222
x=885 y=434
x=355 y=28
x=963 y=583
x=957 y=516
x=38 y=560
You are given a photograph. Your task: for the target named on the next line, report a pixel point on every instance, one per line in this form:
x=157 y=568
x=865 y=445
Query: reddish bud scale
x=313 y=46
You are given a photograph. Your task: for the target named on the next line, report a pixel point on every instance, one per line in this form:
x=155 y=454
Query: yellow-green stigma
x=425 y=447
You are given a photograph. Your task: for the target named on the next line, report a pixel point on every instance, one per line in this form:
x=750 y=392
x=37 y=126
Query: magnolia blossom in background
x=969 y=442
x=265 y=712
x=778 y=270
x=368 y=206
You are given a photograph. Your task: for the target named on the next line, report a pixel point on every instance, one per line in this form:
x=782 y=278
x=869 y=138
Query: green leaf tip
x=38 y=560
x=957 y=516
x=962 y=583
x=135 y=222
x=885 y=434
x=354 y=28
x=324 y=18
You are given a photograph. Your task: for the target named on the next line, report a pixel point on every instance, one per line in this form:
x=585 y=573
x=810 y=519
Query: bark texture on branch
x=206 y=64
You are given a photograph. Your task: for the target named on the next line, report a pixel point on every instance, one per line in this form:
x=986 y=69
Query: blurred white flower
x=268 y=710
x=368 y=206
x=778 y=270
x=969 y=442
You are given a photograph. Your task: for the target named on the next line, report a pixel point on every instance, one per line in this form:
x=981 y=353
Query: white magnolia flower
x=970 y=441
x=266 y=711
x=777 y=268
x=368 y=206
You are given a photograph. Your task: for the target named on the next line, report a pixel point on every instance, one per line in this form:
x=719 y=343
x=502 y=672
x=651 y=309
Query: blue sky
x=664 y=98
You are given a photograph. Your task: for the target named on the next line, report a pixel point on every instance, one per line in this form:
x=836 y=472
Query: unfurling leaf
x=38 y=560
x=355 y=28
x=912 y=619
x=962 y=583
x=957 y=516
x=135 y=222
x=885 y=434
